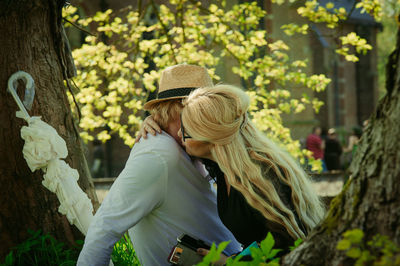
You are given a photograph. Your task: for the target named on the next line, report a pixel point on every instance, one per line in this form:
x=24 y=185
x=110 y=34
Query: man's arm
x=139 y=189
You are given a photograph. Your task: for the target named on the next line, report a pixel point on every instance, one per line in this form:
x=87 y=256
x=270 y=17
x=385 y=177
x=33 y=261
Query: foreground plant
x=43 y=249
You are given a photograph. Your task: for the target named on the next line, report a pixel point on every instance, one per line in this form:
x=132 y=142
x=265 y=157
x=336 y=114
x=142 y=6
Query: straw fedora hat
x=178 y=81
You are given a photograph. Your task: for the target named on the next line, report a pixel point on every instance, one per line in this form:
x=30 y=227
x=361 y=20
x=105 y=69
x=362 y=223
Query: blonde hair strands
x=218 y=115
x=166 y=111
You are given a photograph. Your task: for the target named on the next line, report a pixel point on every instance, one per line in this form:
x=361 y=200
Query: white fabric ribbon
x=42 y=143
x=74 y=203
x=43 y=149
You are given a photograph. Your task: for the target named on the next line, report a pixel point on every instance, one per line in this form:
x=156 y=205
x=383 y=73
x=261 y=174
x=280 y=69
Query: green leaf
x=222 y=246
x=354 y=236
x=343 y=244
x=273 y=253
x=354 y=253
x=296 y=244
x=9 y=259
x=366 y=256
x=273 y=263
x=267 y=244
x=257 y=254
x=212 y=256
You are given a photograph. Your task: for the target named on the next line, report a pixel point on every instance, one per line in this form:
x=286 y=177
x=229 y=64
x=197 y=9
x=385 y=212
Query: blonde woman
x=261 y=188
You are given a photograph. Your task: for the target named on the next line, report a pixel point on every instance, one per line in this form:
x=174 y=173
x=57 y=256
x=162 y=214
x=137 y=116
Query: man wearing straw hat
x=161 y=193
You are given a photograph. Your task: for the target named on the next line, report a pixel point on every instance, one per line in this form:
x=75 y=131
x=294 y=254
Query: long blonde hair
x=218 y=115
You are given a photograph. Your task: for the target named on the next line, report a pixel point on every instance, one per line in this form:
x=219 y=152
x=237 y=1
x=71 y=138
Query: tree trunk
x=31 y=40
x=370 y=201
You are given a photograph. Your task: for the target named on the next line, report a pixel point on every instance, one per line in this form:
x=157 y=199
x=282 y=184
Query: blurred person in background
x=353 y=140
x=333 y=151
x=98 y=169
x=316 y=145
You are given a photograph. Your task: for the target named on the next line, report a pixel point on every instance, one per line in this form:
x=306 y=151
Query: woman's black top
x=333 y=150
x=246 y=223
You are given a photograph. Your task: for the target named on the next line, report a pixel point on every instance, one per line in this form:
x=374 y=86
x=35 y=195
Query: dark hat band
x=175 y=93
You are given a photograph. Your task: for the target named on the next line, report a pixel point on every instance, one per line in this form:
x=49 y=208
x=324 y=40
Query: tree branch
x=165 y=30
x=79 y=27
x=351 y=10
x=180 y=12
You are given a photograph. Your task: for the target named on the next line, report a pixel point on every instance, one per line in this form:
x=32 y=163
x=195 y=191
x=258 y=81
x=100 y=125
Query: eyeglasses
x=184 y=137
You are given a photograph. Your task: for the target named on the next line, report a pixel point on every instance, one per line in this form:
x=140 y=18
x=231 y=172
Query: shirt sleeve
x=139 y=189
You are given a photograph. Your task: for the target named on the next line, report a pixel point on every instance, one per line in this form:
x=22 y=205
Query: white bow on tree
x=44 y=149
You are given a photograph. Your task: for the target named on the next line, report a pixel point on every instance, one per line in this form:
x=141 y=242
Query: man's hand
x=148 y=126
x=203 y=252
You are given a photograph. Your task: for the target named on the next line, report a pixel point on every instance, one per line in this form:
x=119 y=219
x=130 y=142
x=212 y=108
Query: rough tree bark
x=31 y=40
x=371 y=200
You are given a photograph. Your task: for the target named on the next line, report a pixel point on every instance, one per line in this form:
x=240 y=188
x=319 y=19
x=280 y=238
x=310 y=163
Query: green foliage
x=266 y=252
x=360 y=45
x=264 y=255
x=296 y=244
x=114 y=79
x=123 y=253
x=380 y=250
x=332 y=16
x=291 y=28
x=42 y=249
x=214 y=254
x=317 y=13
x=373 y=7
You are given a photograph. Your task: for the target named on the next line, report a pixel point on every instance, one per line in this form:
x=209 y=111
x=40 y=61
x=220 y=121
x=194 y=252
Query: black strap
x=175 y=92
